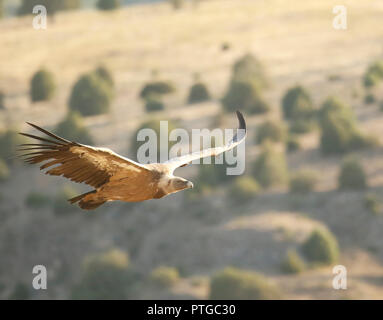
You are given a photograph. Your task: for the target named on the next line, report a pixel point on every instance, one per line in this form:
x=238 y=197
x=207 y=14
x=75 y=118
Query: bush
x=244 y=189
x=108 y=4
x=374 y=74
x=244 y=96
x=372 y=204
x=91 y=95
x=9 y=141
x=154 y=104
x=352 y=176
x=270 y=168
x=164 y=277
x=156 y=88
x=198 y=93
x=339 y=132
x=104 y=276
x=297 y=104
x=177 y=4
x=4 y=171
x=235 y=284
x=301 y=126
x=52 y=6
x=369 y=98
x=154 y=125
x=272 y=131
x=321 y=247
x=2 y=100
x=249 y=69
x=72 y=128
x=35 y=200
x=42 y=86
x=105 y=74
x=293 y=263
x=292 y=144
x=20 y=292
x=303 y=182
x=61 y=206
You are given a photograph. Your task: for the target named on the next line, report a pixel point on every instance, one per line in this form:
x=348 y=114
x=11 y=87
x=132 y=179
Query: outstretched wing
x=77 y=162
x=239 y=137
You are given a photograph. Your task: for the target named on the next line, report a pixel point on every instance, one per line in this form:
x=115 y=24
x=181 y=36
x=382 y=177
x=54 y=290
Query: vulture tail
x=87 y=204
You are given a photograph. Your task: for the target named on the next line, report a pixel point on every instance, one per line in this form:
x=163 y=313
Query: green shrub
x=372 y=204
x=154 y=104
x=156 y=88
x=292 y=143
x=352 y=176
x=164 y=277
x=42 y=86
x=369 y=98
x=297 y=104
x=235 y=284
x=9 y=141
x=52 y=6
x=61 y=206
x=321 y=247
x=244 y=96
x=154 y=125
x=272 y=131
x=177 y=4
x=244 y=189
x=301 y=126
x=72 y=128
x=104 y=276
x=339 y=132
x=4 y=171
x=249 y=69
x=374 y=74
x=2 y=100
x=20 y=292
x=36 y=200
x=303 y=182
x=105 y=74
x=293 y=263
x=270 y=168
x=91 y=95
x=108 y=4
x=1 y=8
x=211 y=175
x=198 y=93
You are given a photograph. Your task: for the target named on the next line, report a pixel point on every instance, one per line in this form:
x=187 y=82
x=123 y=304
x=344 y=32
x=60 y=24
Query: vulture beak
x=189 y=185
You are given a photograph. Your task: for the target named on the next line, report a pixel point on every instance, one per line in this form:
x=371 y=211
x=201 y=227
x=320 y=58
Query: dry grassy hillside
x=295 y=42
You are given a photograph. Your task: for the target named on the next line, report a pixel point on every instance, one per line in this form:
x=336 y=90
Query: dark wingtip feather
x=241 y=120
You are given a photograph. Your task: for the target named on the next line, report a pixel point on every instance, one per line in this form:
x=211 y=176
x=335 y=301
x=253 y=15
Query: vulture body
x=112 y=176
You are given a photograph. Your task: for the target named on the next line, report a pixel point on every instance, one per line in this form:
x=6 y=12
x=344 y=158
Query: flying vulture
x=112 y=176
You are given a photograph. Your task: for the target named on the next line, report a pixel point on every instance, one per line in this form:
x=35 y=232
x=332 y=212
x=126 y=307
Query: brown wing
x=78 y=162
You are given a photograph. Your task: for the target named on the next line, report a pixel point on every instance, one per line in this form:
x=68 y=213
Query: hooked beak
x=189 y=185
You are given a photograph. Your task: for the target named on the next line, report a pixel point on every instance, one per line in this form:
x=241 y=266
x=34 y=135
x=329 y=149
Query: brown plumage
x=112 y=176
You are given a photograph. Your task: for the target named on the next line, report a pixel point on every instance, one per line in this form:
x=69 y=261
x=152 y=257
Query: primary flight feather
x=112 y=176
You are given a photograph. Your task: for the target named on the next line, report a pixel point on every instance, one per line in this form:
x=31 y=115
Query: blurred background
x=311 y=196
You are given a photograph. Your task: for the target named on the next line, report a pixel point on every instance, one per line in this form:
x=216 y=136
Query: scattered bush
x=154 y=104
x=211 y=175
x=9 y=141
x=293 y=263
x=248 y=69
x=20 y=292
x=157 y=88
x=244 y=189
x=2 y=100
x=164 y=277
x=339 y=132
x=292 y=143
x=198 y=93
x=244 y=96
x=52 y=6
x=352 y=176
x=91 y=95
x=369 y=98
x=301 y=126
x=303 y=182
x=372 y=204
x=321 y=247
x=297 y=104
x=61 y=206
x=4 y=171
x=374 y=74
x=270 y=168
x=105 y=276
x=36 y=200
x=177 y=4
x=235 y=284
x=272 y=131
x=72 y=128
x=105 y=74
x=42 y=86
x=108 y=4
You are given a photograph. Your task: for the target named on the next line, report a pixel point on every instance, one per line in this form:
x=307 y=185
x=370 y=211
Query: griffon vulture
x=112 y=176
